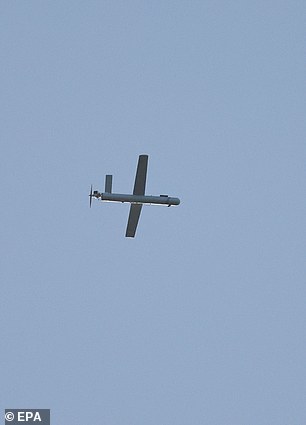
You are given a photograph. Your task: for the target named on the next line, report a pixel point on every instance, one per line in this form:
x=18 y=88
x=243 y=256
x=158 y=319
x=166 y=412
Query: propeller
x=90 y=196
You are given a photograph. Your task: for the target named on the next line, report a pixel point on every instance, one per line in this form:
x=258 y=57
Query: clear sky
x=201 y=318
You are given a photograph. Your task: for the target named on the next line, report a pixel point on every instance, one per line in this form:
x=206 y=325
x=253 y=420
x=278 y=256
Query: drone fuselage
x=138 y=199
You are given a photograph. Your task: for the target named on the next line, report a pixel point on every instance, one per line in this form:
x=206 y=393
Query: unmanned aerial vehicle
x=136 y=199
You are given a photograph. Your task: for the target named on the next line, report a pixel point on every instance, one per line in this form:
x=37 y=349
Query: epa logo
x=18 y=416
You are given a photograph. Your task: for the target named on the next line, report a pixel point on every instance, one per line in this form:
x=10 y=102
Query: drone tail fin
x=108 y=183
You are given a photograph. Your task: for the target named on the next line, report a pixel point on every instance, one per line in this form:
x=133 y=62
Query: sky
x=200 y=319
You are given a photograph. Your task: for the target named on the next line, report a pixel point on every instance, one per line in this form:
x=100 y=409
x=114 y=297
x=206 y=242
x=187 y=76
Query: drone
x=137 y=199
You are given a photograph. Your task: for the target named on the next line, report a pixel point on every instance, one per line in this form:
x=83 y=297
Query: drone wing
x=139 y=189
x=135 y=211
x=141 y=175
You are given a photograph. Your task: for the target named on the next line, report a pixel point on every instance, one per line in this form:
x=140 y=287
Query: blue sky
x=201 y=318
